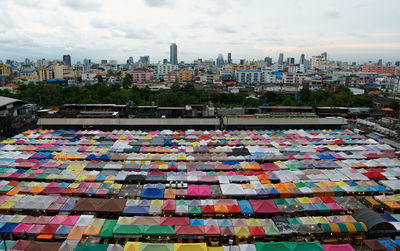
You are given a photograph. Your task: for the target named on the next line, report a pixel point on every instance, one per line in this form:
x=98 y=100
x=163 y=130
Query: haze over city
x=349 y=30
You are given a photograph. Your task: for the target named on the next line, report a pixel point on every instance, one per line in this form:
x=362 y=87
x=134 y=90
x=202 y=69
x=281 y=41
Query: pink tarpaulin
x=212 y=230
x=199 y=191
x=176 y=221
x=168 y=205
x=21 y=228
x=264 y=206
x=189 y=230
x=70 y=220
x=342 y=247
x=270 y=167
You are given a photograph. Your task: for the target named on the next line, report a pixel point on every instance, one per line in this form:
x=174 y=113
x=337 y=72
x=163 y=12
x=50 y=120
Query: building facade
x=166 y=68
x=44 y=74
x=248 y=76
x=374 y=68
x=141 y=76
x=251 y=66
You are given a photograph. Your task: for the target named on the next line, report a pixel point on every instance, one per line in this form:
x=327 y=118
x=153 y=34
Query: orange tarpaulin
x=76 y=233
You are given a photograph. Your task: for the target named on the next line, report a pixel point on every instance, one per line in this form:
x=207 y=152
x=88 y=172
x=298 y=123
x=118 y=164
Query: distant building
x=44 y=74
x=5 y=70
x=374 y=68
x=324 y=55
x=87 y=61
x=67 y=59
x=104 y=61
x=173 y=54
x=280 y=59
x=242 y=61
x=229 y=58
x=380 y=62
x=268 y=61
x=317 y=61
x=166 y=68
x=144 y=60
x=220 y=60
x=397 y=63
x=289 y=61
x=185 y=76
x=165 y=61
x=296 y=68
x=251 y=66
x=248 y=76
x=61 y=71
x=113 y=62
x=141 y=76
x=302 y=59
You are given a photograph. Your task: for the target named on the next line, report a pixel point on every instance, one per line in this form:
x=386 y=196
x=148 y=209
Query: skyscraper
x=325 y=56
x=220 y=60
x=302 y=59
x=289 y=61
x=229 y=58
x=268 y=61
x=280 y=60
x=67 y=60
x=380 y=62
x=173 y=54
x=144 y=60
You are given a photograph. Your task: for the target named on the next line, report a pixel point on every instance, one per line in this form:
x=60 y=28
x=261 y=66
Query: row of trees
x=55 y=95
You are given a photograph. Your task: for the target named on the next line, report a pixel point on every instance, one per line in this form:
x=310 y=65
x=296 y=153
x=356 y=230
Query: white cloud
x=252 y=29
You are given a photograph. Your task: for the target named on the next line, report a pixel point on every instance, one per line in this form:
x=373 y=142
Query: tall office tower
x=173 y=54
x=220 y=60
x=289 y=61
x=380 y=62
x=280 y=60
x=397 y=63
x=325 y=56
x=302 y=59
x=87 y=61
x=242 y=61
x=67 y=60
x=103 y=61
x=229 y=58
x=144 y=60
x=165 y=61
x=268 y=61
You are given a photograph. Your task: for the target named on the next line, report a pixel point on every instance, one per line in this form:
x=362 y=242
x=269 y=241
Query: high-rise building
x=302 y=59
x=268 y=61
x=325 y=56
x=67 y=59
x=229 y=58
x=280 y=59
x=173 y=54
x=165 y=61
x=289 y=61
x=397 y=63
x=144 y=60
x=242 y=61
x=130 y=60
x=113 y=61
x=87 y=61
x=380 y=62
x=103 y=61
x=220 y=60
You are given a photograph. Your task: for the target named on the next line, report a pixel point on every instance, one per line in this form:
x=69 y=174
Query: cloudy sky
x=350 y=30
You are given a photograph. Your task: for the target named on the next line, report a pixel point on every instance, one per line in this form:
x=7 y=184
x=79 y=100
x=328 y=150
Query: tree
x=99 y=79
x=127 y=81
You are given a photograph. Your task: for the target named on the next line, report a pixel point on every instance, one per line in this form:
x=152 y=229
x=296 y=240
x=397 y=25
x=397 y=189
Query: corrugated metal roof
x=5 y=101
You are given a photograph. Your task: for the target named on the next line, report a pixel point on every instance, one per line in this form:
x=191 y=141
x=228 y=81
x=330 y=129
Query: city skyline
x=359 y=31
